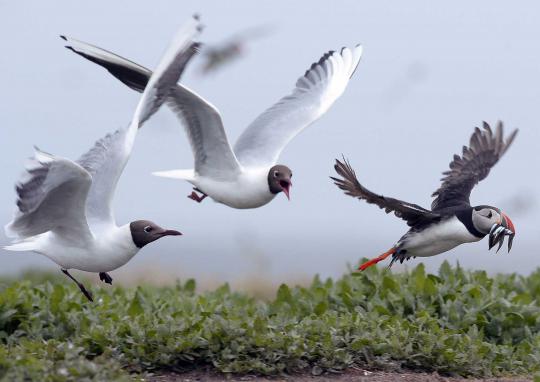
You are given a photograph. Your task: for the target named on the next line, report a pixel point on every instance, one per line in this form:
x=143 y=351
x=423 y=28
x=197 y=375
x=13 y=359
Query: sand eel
x=64 y=207
x=452 y=220
x=248 y=176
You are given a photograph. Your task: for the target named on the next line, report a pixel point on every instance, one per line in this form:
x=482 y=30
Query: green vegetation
x=457 y=322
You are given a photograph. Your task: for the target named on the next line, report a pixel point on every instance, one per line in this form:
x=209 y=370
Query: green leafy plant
x=455 y=322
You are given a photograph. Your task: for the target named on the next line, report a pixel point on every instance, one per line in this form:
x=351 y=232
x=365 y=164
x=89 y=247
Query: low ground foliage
x=456 y=322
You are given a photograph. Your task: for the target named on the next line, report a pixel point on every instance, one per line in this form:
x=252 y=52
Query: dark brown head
x=279 y=179
x=144 y=232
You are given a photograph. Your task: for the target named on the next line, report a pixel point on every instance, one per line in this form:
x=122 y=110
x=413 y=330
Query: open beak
x=170 y=232
x=286 y=187
x=499 y=230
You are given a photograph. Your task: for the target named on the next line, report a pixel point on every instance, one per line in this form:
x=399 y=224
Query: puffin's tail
x=374 y=261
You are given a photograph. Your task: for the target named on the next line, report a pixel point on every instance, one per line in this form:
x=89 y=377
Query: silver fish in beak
x=499 y=230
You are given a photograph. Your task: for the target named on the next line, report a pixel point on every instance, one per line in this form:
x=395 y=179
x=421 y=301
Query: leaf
x=321 y=308
x=284 y=294
x=390 y=283
x=57 y=295
x=135 y=307
x=190 y=286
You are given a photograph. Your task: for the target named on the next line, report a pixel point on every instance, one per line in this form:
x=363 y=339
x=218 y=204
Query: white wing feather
x=212 y=152
x=58 y=194
x=51 y=197
x=263 y=140
x=107 y=159
x=213 y=155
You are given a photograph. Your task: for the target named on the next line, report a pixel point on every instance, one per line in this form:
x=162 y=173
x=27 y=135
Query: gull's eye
x=276 y=174
x=148 y=228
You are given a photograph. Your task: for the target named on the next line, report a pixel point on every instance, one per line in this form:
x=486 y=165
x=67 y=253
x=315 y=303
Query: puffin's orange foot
x=374 y=261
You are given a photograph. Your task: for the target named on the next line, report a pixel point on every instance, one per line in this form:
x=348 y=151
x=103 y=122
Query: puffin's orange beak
x=499 y=230
x=507 y=223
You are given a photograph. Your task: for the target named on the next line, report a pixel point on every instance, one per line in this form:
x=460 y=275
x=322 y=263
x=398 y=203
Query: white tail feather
x=23 y=245
x=188 y=175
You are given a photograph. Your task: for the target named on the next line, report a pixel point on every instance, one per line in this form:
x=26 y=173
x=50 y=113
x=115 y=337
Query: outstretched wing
x=485 y=149
x=51 y=197
x=413 y=214
x=315 y=92
x=107 y=159
x=212 y=152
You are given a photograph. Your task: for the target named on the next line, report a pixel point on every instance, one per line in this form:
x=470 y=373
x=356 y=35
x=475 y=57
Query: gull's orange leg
x=374 y=261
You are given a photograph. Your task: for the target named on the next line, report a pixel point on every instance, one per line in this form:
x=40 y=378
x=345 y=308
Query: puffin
x=452 y=220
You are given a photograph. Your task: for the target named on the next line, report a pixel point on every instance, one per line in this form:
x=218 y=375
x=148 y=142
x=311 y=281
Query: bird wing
x=485 y=149
x=322 y=84
x=212 y=152
x=106 y=160
x=413 y=214
x=51 y=197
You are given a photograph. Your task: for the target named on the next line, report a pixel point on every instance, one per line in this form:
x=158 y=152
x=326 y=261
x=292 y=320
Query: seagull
x=247 y=176
x=452 y=220
x=64 y=207
x=218 y=55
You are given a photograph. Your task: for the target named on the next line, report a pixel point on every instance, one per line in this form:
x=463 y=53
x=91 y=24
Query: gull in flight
x=247 y=176
x=64 y=207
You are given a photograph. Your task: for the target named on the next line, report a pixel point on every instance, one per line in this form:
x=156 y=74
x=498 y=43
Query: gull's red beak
x=286 y=187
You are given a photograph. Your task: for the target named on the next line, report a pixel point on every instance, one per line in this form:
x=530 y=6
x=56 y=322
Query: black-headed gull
x=64 y=207
x=248 y=176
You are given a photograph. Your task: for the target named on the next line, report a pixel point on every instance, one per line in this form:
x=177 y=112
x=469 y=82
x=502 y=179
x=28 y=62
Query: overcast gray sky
x=429 y=74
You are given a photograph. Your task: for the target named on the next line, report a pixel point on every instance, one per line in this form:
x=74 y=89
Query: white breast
x=437 y=238
x=248 y=190
x=105 y=253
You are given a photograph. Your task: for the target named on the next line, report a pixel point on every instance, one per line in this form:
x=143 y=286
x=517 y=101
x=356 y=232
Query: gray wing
x=212 y=152
x=51 y=197
x=315 y=92
x=484 y=151
x=211 y=149
x=107 y=159
x=413 y=214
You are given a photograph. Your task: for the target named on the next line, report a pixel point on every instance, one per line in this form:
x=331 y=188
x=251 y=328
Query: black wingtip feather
x=323 y=58
x=485 y=149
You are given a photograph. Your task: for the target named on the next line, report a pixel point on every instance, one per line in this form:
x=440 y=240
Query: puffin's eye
x=276 y=174
x=148 y=228
x=490 y=215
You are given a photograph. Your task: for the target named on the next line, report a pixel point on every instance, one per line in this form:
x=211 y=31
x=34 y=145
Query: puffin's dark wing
x=413 y=214
x=485 y=149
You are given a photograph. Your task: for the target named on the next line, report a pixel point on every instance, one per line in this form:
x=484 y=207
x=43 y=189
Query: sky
x=429 y=74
